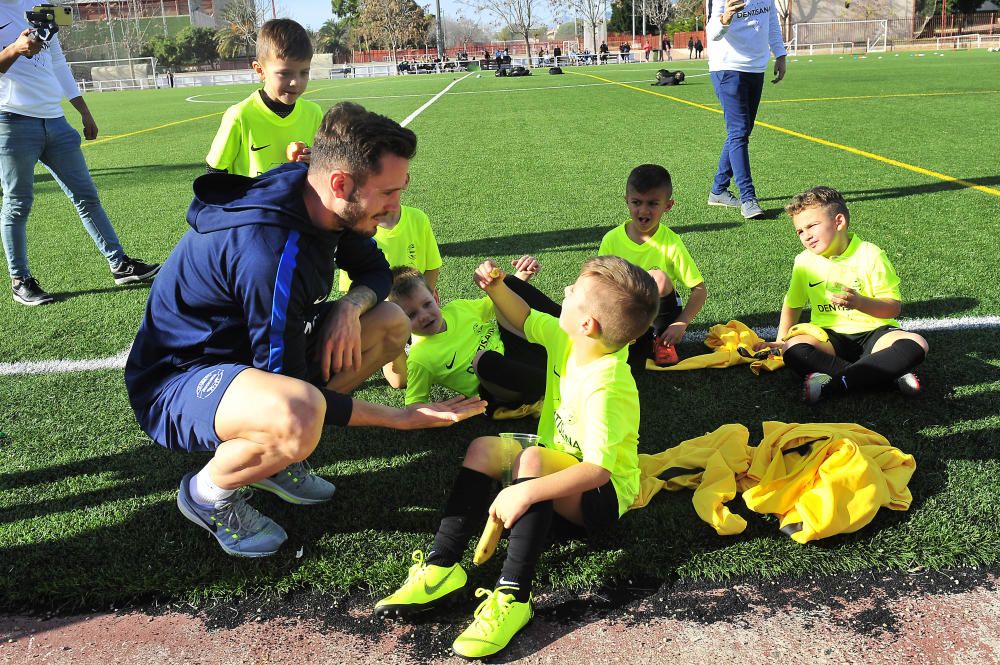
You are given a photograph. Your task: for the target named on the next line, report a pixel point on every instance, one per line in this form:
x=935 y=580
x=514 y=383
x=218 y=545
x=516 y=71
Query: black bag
x=555 y=70
x=520 y=70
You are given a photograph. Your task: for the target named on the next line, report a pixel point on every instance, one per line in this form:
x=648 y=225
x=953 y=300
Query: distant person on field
x=690 y=48
x=854 y=342
x=604 y=52
x=647 y=49
x=240 y=352
x=742 y=41
x=255 y=133
x=647 y=243
x=666 y=46
x=698 y=48
x=34 y=77
x=407 y=239
x=466 y=346
x=578 y=482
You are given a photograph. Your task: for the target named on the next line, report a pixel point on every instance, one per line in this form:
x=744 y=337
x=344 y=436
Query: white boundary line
x=410 y=118
x=118 y=361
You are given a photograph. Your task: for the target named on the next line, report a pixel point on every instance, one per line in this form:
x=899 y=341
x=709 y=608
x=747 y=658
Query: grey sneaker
x=239 y=528
x=751 y=209
x=298 y=484
x=812 y=387
x=27 y=291
x=130 y=270
x=725 y=199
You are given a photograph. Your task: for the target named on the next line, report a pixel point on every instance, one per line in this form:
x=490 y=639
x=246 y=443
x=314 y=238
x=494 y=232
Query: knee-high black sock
x=525 y=544
x=464 y=512
x=525 y=382
x=883 y=367
x=804 y=358
x=670 y=309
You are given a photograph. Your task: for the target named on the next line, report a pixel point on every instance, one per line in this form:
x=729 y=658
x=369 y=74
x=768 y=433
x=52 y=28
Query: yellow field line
x=830 y=144
x=115 y=137
x=854 y=97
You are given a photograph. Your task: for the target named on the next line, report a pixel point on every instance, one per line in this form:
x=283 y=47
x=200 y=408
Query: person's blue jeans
x=739 y=93
x=25 y=141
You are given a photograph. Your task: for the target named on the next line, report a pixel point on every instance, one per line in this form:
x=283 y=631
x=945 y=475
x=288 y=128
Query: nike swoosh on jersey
x=5 y=25
x=255 y=148
x=429 y=589
x=452 y=363
x=812 y=284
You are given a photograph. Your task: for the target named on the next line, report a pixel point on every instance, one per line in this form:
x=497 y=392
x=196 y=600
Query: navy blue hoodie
x=244 y=283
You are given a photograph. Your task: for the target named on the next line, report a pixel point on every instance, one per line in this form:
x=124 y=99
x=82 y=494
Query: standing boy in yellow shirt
x=655 y=248
x=855 y=342
x=255 y=134
x=585 y=473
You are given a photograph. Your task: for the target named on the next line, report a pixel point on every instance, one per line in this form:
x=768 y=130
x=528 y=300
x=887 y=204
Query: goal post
x=872 y=36
x=118 y=74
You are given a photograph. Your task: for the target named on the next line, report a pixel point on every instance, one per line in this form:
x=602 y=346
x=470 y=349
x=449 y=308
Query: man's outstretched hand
x=441 y=414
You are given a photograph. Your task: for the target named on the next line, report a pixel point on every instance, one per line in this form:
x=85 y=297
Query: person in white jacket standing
x=34 y=77
x=741 y=34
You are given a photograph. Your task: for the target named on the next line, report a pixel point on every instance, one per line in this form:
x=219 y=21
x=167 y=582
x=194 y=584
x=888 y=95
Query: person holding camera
x=34 y=77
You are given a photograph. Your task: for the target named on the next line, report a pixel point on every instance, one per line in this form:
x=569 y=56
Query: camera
x=47 y=19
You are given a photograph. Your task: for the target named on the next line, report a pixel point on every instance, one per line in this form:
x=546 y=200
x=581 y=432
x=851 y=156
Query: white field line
x=118 y=361
x=410 y=118
x=194 y=99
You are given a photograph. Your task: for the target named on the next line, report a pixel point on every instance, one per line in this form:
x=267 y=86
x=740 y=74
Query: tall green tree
x=334 y=36
x=197 y=45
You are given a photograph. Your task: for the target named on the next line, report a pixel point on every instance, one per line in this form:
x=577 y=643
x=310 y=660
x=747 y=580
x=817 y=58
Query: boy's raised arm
x=509 y=305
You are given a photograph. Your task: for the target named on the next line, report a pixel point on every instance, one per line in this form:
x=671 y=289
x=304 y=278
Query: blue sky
x=312 y=13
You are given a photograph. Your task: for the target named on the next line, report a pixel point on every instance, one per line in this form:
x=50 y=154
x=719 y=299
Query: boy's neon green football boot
x=496 y=621
x=426 y=585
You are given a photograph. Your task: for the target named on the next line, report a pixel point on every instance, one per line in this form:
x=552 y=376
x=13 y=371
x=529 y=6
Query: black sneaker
x=133 y=270
x=28 y=292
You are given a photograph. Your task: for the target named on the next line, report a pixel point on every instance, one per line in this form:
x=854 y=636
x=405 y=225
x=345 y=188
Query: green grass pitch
x=509 y=166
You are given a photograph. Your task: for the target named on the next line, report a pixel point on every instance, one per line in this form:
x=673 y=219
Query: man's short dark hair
x=647 y=178
x=284 y=39
x=354 y=139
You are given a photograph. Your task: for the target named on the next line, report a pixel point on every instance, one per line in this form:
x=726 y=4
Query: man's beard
x=353 y=215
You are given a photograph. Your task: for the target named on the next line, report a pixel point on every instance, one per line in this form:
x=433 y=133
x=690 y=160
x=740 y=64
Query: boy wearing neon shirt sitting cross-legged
x=254 y=135
x=583 y=476
x=854 y=342
x=653 y=247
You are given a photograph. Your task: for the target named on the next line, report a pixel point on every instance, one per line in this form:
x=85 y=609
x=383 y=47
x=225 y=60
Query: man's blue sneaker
x=239 y=528
x=724 y=199
x=298 y=484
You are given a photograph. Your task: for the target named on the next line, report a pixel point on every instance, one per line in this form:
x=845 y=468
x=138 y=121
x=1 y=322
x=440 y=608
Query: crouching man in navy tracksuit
x=240 y=352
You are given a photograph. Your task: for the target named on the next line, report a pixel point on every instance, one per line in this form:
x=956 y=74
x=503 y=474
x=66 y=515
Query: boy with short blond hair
x=854 y=342
x=585 y=473
x=255 y=134
x=652 y=246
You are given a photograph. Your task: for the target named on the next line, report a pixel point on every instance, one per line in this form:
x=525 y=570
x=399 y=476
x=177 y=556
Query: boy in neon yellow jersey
x=854 y=293
x=652 y=246
x=585 y=474
x=467 y=346
x=255 y=133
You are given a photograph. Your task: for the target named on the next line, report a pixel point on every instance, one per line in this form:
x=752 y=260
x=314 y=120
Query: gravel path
x=939 y=617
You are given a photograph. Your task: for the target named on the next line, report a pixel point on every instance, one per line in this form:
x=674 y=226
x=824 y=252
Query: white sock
x=204 y=491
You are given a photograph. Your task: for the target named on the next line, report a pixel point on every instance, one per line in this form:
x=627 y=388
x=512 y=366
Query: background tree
x=462 y=30
x=242 y=20
x=621 y=17
x=593 y=12
x=164 y=49
x=334 y=36
x=391 y=24
x=659 y=13
x=516 y=15
x=197 y=45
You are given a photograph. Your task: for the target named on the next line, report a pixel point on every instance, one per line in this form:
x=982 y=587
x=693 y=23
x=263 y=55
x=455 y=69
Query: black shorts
x=854 y=346
x=600 y=512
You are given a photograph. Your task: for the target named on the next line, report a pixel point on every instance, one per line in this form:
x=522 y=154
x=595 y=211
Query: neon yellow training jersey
x=410 y=243
x=664 y=251
x=862 y=266
x=590 y=412
x=252 y=139
x=446 y=358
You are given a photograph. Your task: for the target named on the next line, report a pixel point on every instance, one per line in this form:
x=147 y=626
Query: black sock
x=464 y=512
x=881 y=368
x=670 y=309
x=525 y=544
x=519 y=383
x=805 y=358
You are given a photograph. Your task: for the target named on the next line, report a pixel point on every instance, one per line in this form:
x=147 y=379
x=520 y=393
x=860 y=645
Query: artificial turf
x=530 y=165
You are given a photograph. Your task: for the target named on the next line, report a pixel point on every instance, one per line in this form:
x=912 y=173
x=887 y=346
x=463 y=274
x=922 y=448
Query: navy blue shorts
x=182 y=417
